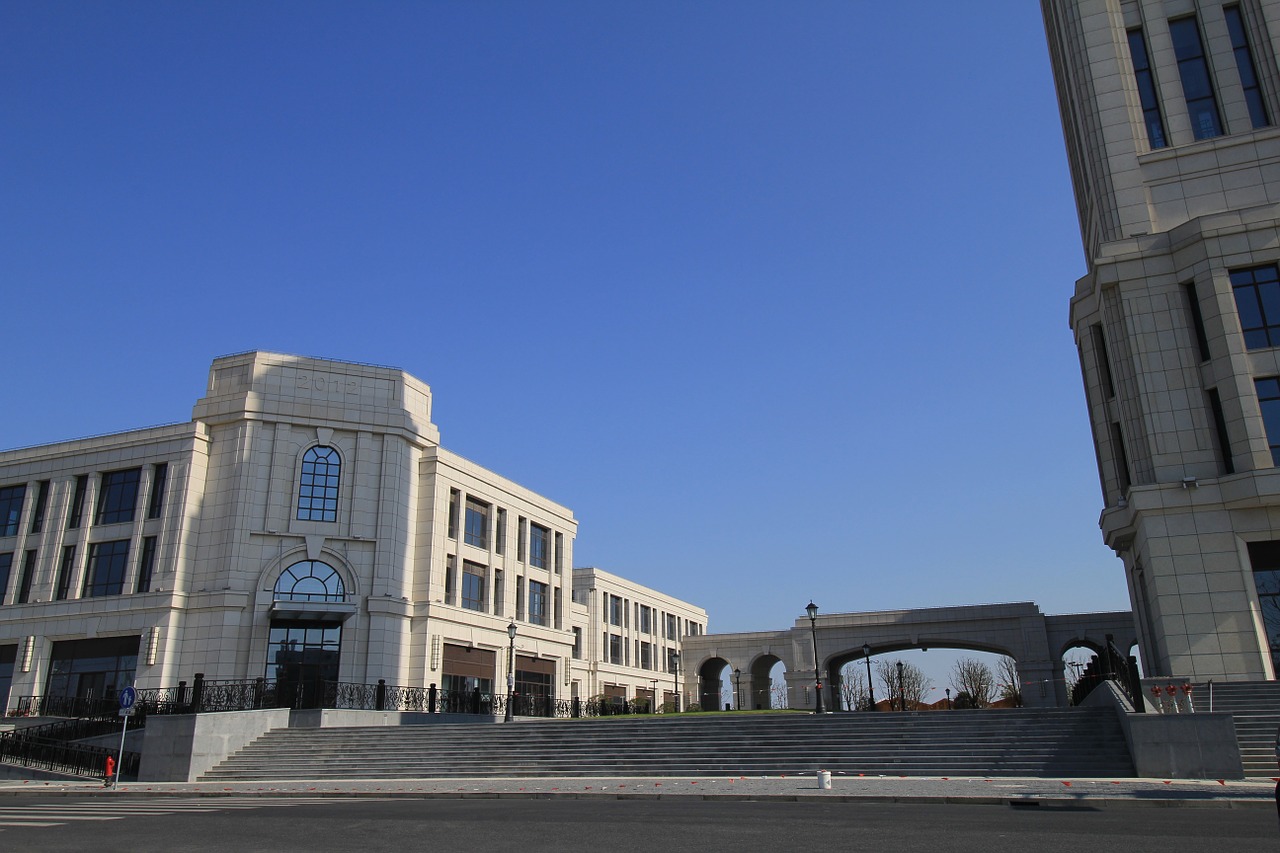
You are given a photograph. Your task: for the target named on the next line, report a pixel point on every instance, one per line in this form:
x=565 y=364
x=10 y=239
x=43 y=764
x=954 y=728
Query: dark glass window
x=538 y=536
x=453 y=513
x=159 y=479
x=1257 y=292
x=11 y=509
x=118 y=497
x=1225 y=461
x=92 y=669
x=1244 y=63
x=318 y=490
x=1197 y=320
x=1147 y=93
x=65 y=568
x=615 y=648
x=42 y=506
x=521 y=545
x=1264 y=558
x=146 y=564
x=500 y=546
x=310 y=580
x=303 y=654
x=472 y=586
x=477 y=524
x=105 y=573
x=76 y=512
x=1269 y=403
x=6 y=566
x=1121 y=458
x=615 y=610
x=672 y=627
x=1197 y=86
x=27 y=577
x=577 y=643
x=537 y=603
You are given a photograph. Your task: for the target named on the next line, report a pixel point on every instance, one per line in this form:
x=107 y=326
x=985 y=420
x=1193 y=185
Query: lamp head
x=812 y=610
x=511 y=630
x=866 y=650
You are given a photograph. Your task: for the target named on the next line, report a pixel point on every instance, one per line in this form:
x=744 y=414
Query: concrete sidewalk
x=1091 y=793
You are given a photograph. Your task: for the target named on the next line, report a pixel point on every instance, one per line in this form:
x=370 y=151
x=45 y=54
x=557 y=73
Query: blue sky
x=772 y=295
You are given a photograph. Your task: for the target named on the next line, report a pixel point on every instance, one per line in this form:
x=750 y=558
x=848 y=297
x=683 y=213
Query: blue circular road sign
x=127 y=697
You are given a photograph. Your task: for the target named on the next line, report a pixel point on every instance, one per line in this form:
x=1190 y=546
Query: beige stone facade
x=1169 y=110
x=305 y=523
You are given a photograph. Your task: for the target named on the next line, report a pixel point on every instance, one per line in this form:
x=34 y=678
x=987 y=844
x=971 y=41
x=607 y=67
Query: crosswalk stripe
x=40 y=815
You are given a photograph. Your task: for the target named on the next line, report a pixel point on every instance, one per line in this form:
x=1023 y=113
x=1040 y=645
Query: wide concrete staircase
x=1256 y=708
x=1077 y=742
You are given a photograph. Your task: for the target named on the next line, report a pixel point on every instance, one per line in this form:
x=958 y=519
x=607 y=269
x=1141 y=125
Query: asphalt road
x=189 y=825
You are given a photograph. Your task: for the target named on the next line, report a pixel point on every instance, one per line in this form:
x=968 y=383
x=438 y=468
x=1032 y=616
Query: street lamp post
x=902 y=689
x=675 y=679
x=812 y=610
x=511 y=672
x=948 y=698
x=871 y=689
x=737 y=689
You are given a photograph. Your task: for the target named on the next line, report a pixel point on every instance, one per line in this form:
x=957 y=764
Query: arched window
x=310 y=580
x=318 y=489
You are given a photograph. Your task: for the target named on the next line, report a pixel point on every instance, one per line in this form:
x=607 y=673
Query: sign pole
x=127 y=697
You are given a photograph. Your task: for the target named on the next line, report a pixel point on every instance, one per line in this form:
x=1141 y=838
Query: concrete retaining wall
x=179 y=748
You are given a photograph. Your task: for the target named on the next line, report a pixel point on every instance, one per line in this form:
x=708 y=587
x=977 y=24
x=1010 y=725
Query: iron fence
x=17 y=747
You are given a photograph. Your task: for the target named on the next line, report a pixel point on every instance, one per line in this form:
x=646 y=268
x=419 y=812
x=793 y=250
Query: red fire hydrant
x=111 y=773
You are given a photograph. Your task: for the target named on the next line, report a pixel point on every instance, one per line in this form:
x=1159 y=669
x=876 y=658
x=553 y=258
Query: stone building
x=1169 y=109
x=304 y=525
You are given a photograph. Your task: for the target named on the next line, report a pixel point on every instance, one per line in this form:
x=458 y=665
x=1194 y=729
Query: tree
x=1010 y=682
x=778 y=695
x=914 y=684
x=974 y=678
x=853 y=687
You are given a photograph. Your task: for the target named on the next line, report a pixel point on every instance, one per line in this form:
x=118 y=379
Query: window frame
x=319 y=484
x=118 y=496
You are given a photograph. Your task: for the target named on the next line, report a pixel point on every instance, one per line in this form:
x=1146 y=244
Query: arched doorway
x=758 y=692
x=713 y=684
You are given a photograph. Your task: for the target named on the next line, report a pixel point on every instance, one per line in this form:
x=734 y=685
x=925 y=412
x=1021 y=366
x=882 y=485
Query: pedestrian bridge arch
x=1019 y=630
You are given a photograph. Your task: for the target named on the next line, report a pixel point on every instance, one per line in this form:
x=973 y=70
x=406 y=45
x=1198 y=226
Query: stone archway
x=711 y=682
x=757 y=683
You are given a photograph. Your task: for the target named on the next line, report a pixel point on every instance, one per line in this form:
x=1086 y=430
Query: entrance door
x=301 y=657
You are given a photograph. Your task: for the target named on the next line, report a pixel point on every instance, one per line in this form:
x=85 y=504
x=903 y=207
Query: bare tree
x=913 y=683
x=974 y=678
x=853 y=687
x=1010 y=683
x=778 y=695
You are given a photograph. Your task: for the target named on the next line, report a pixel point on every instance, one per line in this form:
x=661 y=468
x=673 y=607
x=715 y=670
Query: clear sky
x=772 y=295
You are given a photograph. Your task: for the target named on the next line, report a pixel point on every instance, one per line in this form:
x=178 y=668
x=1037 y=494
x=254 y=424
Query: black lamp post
x=737 y=689
x=812 y=610
x=948 y=698
x=871 y=688
x=902 y=689
x=511 y=672
x=675 y=678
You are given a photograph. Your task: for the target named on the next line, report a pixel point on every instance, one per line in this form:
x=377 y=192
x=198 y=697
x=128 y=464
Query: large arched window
x=310 y=580
x=318 y=489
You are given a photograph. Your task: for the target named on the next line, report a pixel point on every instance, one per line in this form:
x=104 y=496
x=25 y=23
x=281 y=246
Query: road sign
x=127 y=697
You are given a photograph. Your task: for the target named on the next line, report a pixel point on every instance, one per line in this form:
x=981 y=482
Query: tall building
x=1169 y=110
x=305 y=525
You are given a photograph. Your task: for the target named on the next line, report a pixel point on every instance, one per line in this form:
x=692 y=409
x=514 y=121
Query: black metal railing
x=18 y=747
x=1110 y=665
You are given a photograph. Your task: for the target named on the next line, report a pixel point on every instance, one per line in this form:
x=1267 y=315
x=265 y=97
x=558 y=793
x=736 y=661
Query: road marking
x=40 y=815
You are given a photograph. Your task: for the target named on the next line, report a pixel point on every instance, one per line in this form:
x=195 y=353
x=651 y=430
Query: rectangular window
x=76 y=512
x=1223 y=443
x=577 y=644
x=1197 y=85
x=1104 y=361
x=520 y=598
x=615 y=648
x=477 y=524
x=472 y=586
x=26 y=578
x=538 y=536
x=1264 y=559
x=1269 y=403
x=105 y=573
x=498 y=592
x=1244 y=64
x=1147 y=93
x=118 y=496
x=146 y=564
x=453 y=513
x=673 y=624
x=646 y=656
x=500 y=545
x=615 y=610
x=537 y=603
x=646 y=619
x=11 y=498
x=1197 y=319
x=65 y=568
x=673 y=661
x=449 y=579
x=6 y=566
x=520 y=539
x=159 y=479
x=559 y=553
x=42 y=506
x=1257 y=293
x=1121 y=457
